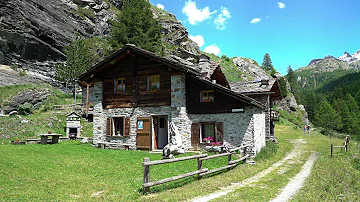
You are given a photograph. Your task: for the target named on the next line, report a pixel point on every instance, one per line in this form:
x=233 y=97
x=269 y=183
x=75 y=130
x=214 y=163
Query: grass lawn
x=71 y=171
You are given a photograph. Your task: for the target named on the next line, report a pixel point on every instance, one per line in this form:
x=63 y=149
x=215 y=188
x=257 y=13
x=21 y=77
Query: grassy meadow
x=12 y=128
x=72 y=171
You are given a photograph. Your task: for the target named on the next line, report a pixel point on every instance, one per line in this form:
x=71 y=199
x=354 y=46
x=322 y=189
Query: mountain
x=346 y=57
x=33 y=35
x=321 y=71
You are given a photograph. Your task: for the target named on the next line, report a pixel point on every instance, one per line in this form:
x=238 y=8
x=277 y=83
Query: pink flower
x=208 y=139
x=215 y=143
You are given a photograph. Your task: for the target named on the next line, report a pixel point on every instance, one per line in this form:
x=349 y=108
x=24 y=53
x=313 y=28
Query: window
x=153 y=83
x=119 y=85
x=207 y=131
x=212 y=131
x=118 y=126
x=207 y=96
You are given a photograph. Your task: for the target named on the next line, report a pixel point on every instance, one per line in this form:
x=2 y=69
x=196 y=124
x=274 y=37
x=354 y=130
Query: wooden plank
x=218 y=169
x=146 y=175
x=238 y=148
x=238 y=160
x=149 y=184
x=214 y=156
x=158 y=162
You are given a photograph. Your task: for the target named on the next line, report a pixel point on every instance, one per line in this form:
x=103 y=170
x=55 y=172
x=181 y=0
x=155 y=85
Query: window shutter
x=219 y=132
x=109 y=127
x=195 y=133
x=127 y=126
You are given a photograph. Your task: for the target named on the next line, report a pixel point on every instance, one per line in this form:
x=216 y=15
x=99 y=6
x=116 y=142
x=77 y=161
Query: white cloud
x=221 y=19
x=198 y=39
x=160 y=6
x=196 y=15
x=255 y=20
x=212 y=49
x=281 y=5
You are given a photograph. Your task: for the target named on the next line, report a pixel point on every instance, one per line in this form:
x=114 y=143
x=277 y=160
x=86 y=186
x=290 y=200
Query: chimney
x=204 y=63
x=264 y=82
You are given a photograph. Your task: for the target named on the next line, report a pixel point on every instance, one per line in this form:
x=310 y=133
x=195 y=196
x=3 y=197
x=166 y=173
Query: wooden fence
x=199 y=172
x=64 y=109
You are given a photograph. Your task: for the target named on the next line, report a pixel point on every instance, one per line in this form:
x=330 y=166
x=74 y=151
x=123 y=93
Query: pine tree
x=136 y=25
x=292 y=81
x=267 y=65
x=326 y=117
x=354 y=111
x=78 y=60
x=283 y=88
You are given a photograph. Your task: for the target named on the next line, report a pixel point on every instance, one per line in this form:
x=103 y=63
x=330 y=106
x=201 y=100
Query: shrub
x=267 y=152
x=25 y=109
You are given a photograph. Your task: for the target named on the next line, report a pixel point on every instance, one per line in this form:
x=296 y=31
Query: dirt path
x=297 y=182
x=224 y=191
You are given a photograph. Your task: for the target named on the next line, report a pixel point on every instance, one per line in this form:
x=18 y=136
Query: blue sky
x=293 y=32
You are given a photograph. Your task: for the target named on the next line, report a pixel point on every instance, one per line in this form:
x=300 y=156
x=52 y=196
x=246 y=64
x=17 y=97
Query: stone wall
x=239 y=128
x=178 y=108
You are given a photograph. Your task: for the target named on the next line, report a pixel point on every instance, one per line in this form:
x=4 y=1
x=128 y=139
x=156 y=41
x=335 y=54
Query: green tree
x=326 y=117
x=136 y=25
x=292 y=82
x=283 y=88
x=78 y=60
x=267 y=65
x=354 y=111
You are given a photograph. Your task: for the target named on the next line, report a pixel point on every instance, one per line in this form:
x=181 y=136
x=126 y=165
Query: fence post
x=331 y=149
x=199 y=166
x=229 y=159
x=146 y=174
x=245 y=153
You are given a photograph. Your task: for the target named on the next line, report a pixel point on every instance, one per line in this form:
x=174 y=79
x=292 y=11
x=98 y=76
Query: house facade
x=137 y=95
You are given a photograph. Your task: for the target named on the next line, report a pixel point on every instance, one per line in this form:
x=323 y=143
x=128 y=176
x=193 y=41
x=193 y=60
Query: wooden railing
x=64 y=109
x=199 y=172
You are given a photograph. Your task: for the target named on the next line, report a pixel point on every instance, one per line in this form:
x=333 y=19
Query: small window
x=119 y=85
x=118 y=126
x=207 y=132
x=207 y=96
x=153 y=83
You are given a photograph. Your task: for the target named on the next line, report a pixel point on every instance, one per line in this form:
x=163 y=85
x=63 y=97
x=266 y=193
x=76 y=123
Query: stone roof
x=256 y=86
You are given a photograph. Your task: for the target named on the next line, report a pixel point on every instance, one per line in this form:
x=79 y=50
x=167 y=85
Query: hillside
x=322 y=71
x=33 y=36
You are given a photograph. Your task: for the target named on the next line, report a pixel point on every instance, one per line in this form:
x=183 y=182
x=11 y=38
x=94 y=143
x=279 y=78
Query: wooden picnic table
x=54 y=138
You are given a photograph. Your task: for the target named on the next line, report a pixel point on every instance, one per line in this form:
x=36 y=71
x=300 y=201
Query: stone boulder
x=34 y=98
x=249 y=67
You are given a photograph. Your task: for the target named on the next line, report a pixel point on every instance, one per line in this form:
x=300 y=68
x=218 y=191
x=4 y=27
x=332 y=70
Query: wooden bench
x=54 y=138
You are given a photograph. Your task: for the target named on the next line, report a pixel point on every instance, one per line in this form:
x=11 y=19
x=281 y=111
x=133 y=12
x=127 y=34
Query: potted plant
x=208 y=139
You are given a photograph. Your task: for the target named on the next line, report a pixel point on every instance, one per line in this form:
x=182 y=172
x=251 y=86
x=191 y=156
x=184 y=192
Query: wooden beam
x=149 y=184
x=238 y=160
x=87 y=100
x=218 y=169
x=173 y=160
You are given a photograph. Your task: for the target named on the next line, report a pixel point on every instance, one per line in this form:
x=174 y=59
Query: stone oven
x=73 y=125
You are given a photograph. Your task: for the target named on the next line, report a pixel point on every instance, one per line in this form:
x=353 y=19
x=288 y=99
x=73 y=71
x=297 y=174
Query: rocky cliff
x=33 y=33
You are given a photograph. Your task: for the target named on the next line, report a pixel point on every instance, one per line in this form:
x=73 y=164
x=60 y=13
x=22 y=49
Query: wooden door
x=143 y=138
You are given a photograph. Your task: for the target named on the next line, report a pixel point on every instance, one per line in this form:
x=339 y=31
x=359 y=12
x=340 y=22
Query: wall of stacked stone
x=178 y=108
x=238 y=127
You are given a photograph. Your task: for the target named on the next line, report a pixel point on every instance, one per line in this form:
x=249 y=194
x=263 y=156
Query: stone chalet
x=137 y=98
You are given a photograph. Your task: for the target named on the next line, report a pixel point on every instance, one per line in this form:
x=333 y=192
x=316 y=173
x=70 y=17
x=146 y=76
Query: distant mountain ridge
x=346 y=57
x=322 y=71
